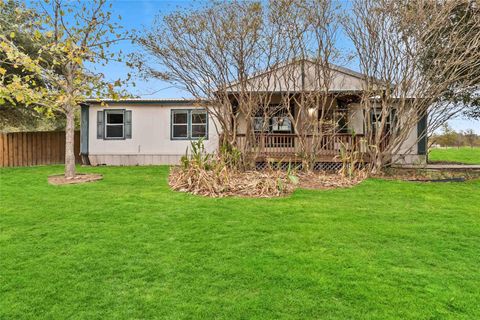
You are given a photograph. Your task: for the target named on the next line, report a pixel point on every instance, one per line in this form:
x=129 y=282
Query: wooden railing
x=290 y=145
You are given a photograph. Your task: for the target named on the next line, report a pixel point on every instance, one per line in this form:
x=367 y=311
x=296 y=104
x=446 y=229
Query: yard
x=128 y=247
x=461 y=155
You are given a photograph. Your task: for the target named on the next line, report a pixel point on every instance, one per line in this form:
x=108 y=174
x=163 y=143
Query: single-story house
x=143 y=131
x=159 y=131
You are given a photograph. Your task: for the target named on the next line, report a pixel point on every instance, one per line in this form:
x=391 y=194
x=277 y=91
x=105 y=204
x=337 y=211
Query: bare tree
x=312 y=76
x=470 y=137
x=247 y=62
x=212 y=53
x=391 y=39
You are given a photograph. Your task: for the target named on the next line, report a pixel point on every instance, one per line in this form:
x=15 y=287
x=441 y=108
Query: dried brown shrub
x=222 y=182
x=211 y=175
x=323 y=180
x=255 y=184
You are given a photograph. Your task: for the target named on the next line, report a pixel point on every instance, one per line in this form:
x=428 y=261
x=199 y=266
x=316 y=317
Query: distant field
x=461 y=155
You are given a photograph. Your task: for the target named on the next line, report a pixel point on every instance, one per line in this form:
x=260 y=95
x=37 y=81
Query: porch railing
x=290 y=145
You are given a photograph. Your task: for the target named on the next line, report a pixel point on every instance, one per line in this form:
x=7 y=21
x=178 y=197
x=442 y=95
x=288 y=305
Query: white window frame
x=173 y=124
x=116 y=111
x=283 y=128
x=195 y=111
x=377 y=113
x=189 y=113
x=260 y=124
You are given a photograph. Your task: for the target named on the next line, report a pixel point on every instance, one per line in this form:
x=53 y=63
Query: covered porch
x=286 y=131
x=288 y=146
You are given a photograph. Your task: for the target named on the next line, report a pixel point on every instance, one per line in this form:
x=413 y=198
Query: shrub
x=351 y=158
x=204 y=174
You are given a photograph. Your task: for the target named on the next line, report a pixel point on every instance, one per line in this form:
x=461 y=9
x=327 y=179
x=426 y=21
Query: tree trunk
x=69 y=144
x=377 y=166
x=376 y=161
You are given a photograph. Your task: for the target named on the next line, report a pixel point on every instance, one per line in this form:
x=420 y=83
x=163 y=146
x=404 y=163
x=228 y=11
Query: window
x=280 y=121
x=189 y=124
x=259 y=124
x=180 y=124
x=275 y=120
x=341 y=119
x=376 y=120
x=199 y=124
x=281 y=124
x=114 y=124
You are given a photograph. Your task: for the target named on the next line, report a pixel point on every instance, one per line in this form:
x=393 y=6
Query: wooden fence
x=20 y=149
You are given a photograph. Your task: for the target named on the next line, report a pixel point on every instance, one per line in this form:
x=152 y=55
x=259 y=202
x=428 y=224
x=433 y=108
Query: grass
x=127 y=247
x=461 y=155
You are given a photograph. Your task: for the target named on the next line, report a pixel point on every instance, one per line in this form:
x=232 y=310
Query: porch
x=288 y=146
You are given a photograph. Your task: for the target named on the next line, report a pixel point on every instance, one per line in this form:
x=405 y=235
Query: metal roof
x=143 y=100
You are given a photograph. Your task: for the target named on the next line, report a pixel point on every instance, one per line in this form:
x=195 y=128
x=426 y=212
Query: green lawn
x=129 y=248
x=461 y=155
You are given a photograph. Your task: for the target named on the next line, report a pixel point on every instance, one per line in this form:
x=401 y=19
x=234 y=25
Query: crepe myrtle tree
x=74 y=36
x=214 y=52
x=391 y=40
x=235 y=56
x=310 y=102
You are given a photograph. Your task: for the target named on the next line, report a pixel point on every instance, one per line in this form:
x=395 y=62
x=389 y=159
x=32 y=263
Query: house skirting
x=133 y=159
x=318 y=166
x=401 y=159
x=174 y=159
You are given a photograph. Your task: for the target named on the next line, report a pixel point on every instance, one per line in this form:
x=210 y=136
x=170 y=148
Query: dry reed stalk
x=256 y=184
x=224 y=182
